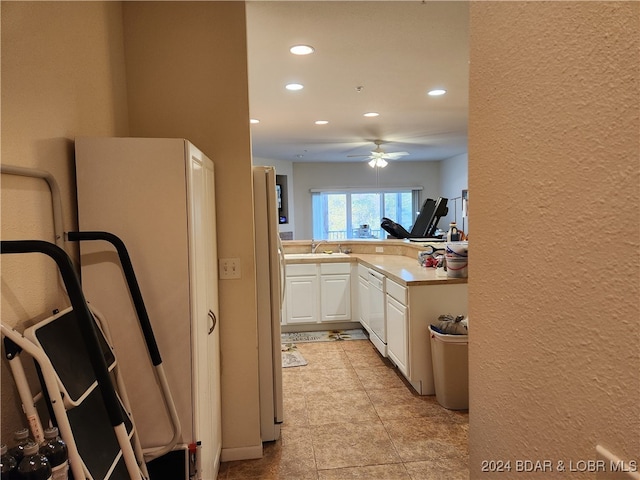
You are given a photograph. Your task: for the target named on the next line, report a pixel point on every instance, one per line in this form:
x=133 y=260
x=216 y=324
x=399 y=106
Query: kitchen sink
x=294 y=256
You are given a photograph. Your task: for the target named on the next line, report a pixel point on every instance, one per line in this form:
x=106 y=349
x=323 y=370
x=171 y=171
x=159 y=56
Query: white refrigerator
x=270 y=294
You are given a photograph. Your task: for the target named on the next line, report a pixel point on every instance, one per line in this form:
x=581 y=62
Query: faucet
x=314 y=245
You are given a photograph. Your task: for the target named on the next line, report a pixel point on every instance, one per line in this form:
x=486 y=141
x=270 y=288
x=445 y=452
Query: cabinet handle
x=212 y=316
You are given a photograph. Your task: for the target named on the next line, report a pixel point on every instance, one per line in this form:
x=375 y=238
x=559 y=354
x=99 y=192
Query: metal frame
x=90 y=337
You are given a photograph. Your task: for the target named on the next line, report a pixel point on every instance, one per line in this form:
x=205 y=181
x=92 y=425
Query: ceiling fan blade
x=395 y=155
x=358 y=156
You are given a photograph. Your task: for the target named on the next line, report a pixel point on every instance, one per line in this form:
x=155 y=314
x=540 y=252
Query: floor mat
x=324 y=336
x=291 y=357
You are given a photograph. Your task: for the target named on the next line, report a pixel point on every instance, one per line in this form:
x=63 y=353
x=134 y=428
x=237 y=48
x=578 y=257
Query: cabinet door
x=206 y=404
x=397 y=341
x=335 y=297
x=213 y=332
x=363 y=301
x=302 y=299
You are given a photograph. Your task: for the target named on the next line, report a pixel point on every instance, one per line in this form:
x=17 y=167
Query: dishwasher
x=377 y=321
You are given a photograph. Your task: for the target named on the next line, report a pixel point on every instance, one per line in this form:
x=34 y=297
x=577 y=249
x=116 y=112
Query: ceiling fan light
x=382 y=163
x=302 y=49
x=372 y=163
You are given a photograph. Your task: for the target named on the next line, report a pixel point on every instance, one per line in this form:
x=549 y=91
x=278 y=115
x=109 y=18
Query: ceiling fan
x=379 y=157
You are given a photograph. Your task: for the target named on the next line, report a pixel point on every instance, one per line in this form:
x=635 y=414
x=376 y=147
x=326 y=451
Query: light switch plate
x=229 y=268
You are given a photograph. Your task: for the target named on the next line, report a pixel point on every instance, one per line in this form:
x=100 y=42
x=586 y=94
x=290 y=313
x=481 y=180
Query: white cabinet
x=302 y=294
x=157 y=196
x=318 y=293
x=397 y=326
x=335 y=292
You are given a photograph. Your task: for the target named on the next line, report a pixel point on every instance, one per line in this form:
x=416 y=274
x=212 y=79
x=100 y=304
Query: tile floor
x=350 y=415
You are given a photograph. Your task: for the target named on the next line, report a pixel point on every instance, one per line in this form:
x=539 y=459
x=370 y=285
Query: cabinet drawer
x=301 y=269
x=332 y=268
x=397 y=291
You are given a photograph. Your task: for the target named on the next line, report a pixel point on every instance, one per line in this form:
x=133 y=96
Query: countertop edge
x=399 y=268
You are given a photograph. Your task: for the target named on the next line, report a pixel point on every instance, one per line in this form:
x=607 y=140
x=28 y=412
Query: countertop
x=404 y=270
x=400 y=268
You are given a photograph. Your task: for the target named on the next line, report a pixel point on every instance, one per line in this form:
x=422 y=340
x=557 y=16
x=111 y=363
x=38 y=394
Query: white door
x=335 y=297
x=302 y=299
x=213 y=331
x=200 y=246
x=397 y=341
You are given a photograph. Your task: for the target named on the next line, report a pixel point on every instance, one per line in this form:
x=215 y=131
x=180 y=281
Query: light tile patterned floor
x=350 y=415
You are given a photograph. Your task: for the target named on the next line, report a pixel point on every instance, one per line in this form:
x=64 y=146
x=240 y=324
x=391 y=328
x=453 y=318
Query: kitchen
x=75 y=83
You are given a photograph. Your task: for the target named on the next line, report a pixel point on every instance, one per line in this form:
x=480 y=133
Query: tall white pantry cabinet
x=157 y=196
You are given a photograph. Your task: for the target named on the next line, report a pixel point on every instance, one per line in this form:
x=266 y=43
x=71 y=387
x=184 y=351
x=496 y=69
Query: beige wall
x=187 y=77
x=62 y=76
x=554 y=277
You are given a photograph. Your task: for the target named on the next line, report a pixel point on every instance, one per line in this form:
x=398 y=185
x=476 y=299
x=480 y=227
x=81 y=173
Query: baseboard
x=320 y=327
x=241 y=453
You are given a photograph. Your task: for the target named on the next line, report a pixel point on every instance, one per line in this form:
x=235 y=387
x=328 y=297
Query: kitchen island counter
x=404 y=270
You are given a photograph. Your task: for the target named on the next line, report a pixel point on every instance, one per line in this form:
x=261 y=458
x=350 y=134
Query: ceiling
x=395 y=51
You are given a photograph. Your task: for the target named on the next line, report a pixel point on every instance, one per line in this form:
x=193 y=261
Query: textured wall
x=187 y=77
x=62 y=77
x=554 y=275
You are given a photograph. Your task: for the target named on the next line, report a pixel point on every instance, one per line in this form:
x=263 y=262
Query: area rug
x=291 y=357
x=324 y=336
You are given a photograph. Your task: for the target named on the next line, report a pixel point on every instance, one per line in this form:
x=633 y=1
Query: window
x=339 y=215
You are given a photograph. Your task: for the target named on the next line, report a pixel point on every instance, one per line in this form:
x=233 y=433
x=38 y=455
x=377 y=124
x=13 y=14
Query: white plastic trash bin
x=450 y=358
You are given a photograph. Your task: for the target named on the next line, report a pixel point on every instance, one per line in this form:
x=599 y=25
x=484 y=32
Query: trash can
x=450 y=359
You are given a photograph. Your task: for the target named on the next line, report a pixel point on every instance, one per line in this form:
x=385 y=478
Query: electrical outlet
x=229 y=268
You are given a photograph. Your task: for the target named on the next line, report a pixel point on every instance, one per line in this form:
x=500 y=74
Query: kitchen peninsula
x=381 y=285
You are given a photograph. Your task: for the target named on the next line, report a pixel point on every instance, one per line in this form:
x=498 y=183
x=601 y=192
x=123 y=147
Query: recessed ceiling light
x=254 y=120
x=301 y=49
x=437 y=92
x=321 y=122
x=371 y=114
x=294 y=86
